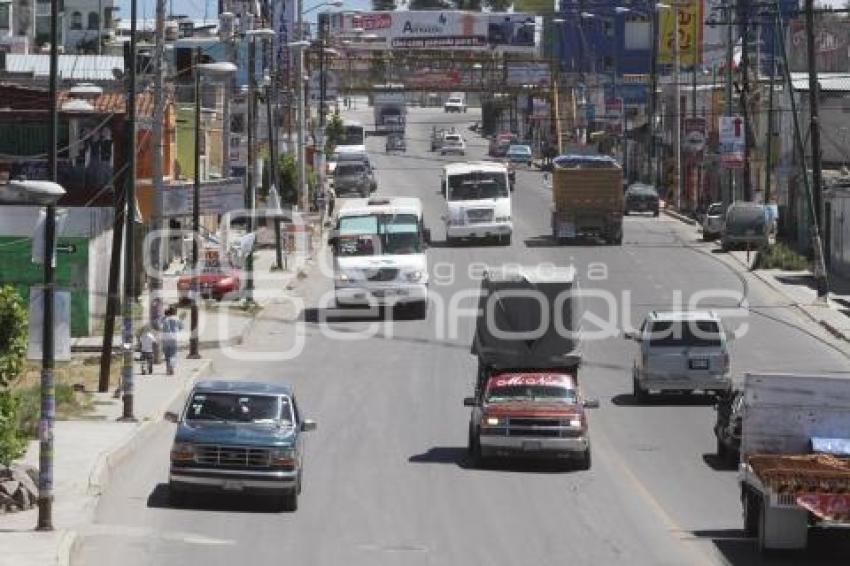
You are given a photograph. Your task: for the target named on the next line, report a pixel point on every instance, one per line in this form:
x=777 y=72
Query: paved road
x=386 y=479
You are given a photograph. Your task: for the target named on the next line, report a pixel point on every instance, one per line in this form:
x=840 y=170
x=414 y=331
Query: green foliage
x=13 y=335
x=12 y=442
x=68 y=404
x=288 y=179
x=333 y=132
x=498 y=5
x=782 y=257
x=470 y=5
x=386 y=5
x=429 y=5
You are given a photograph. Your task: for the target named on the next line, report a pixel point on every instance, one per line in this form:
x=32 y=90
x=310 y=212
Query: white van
x=478 y=201
x=379 y=254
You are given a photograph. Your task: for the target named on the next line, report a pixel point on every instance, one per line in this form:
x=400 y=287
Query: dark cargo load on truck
x=527 y=321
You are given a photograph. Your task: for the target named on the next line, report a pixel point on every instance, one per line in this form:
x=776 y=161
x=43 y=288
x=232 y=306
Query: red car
x=534 y=414
x=499 y=144
x=214 y=282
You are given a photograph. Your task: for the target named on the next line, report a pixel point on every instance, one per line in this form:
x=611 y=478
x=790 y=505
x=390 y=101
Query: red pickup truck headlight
x=490 y=421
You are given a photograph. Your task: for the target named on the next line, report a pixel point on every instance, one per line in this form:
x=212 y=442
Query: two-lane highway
x=386 y=477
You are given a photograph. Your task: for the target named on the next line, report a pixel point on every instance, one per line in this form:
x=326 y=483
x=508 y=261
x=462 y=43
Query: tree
x=383 y=5
x=13 y=347
x=470 y=5
x=498 y=5
x=333 y=132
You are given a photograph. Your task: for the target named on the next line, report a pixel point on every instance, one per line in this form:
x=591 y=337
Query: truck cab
x=379 y=254
x=455 y=103
x=530 y=414
x=477 y=201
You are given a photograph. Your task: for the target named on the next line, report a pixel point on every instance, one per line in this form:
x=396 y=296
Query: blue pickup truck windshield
x=230 y=407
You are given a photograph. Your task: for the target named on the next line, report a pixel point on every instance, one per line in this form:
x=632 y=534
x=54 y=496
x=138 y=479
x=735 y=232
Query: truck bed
x=588 y=192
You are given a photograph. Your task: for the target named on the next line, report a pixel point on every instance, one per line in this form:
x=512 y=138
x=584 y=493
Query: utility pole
x=299 y=86
x=678 y=90
x=48 y=386
x=745 y=95
x=729 y=195
x=159 y=244
x=195 y=292
x=128 y=339
x=250 y=177
x=320 y=138
x=653 y=95
x=814 y=133
x=770 y=126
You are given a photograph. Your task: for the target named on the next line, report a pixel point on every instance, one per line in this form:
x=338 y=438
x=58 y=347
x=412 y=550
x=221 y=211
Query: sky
x=196 y=8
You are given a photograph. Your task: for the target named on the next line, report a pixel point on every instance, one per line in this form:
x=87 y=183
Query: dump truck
x=587 y=193
x=527 y=321
x=795 y=456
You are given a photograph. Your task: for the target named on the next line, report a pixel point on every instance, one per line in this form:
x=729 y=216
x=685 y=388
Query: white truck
x=455 y=103
x=795 y=457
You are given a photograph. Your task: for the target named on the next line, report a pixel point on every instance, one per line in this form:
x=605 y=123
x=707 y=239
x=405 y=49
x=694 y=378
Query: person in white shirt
x=147 y=339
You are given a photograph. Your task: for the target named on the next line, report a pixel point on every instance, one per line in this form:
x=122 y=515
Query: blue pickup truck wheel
x=289 y=501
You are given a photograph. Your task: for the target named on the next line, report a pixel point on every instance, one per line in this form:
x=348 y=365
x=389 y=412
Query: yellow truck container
x=587 y=192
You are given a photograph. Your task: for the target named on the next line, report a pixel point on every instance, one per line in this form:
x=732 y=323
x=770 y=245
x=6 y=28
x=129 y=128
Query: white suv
x=455 y=104
x=682 y=352
x=453 y=143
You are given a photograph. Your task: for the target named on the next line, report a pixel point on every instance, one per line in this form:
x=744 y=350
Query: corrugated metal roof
x=71 y=67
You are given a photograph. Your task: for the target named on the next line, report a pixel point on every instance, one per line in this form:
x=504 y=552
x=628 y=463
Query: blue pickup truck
x=239 y=436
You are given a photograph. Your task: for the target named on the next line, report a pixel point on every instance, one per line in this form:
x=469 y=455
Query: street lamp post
x=44 y=193
x=222 y=69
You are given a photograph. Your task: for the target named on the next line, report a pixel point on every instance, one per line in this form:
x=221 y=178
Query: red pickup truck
x=530 y=415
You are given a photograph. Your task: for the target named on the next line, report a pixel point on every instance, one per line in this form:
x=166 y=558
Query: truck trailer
x=588 y=198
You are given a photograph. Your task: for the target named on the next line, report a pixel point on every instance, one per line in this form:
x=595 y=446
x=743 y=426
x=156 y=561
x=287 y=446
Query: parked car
x=747 y=224
x=530 y=415
x=352 y=178
x=727 y=427
x=519 y=154
x=641 y=198
x=216 y=280
x=712 y=222
x=453 y=143
x=681 y=352
x=239 y=437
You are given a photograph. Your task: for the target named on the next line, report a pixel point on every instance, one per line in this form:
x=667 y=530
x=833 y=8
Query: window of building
x=5 y=24
x=94 y=21
x=76 y=20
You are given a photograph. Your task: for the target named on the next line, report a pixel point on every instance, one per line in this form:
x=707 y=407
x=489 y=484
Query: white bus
x=379 y=254
x=353 y=137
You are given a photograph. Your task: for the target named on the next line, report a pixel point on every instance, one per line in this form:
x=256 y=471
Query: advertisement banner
x=217 y=197
x=435 y=29
x=690 y=28
x=731 y=133
x=537 y=74
x=695 y=135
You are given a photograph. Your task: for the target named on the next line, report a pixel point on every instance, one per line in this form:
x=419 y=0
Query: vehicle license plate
x=699 y=363
x=530 y=446
x=232 y=485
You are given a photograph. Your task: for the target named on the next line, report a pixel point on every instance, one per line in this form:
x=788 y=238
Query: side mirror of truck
x=426 y=235
x=332 y=241
x=307 y=425
x=470 y=402
x=591 y=404
x=631 y=336
x=171 y=417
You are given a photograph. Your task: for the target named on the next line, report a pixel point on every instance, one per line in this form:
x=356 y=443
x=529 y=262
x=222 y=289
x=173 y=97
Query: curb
x=100 y=475
x=826 y=325
x=68 y=542
x=678 y=216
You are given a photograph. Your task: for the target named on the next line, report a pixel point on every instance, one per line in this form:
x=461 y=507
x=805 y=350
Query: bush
x=13 y=335
x=68 y=404
x=782 y=257
x=12 y=442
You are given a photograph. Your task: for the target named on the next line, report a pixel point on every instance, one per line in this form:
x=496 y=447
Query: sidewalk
x=87 y=451
x=798 y=287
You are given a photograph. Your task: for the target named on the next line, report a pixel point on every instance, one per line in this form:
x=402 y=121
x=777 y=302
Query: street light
x=221 y=69
x=43 y=193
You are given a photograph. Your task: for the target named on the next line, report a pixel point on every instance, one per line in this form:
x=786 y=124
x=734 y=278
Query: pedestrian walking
x=170 y=327
x=147 y=340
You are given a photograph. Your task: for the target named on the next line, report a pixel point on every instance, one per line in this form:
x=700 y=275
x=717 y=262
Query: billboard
x=690 y=29
x=433 y=29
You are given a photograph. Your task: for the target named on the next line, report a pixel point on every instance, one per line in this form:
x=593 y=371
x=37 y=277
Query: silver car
x=712 y=222
x=682 y=352
x=747 y=224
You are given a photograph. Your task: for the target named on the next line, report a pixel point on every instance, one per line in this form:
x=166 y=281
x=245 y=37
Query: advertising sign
x=694 y=139
x=540 y=109
x=689 y=28
x=436 y=29
x=61 y=324
x=217 y=197
x=731 y=133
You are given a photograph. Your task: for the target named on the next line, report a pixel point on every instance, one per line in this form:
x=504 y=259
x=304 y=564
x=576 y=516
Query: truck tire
x=289 y=501
x=751 y=504
x=584 y=460
x=177 y=497
x=418 y=310
x=639 y=393
x=473 y=449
